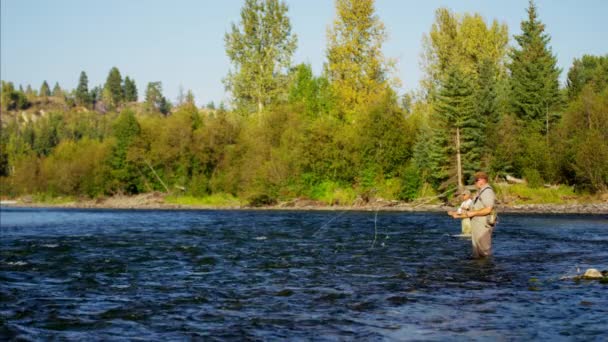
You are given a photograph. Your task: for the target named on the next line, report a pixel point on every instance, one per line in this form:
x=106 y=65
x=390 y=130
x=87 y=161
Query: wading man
x=480 y=215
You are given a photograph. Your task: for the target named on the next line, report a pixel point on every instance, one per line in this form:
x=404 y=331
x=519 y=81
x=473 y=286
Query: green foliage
x=383 y=142
x=13 y=99
x=57 y=92
x=411 y=182
x=310 y=92
x=155 y=101
x=260 y=49
x=83 y=97
x=587 y=70
x=333 y=193
x=45 y=91
x=76 y=168
x=523 y=194
x=124 y=171
x=130 y=90
x=215 y=200
x=534 y=75
x=465 y=42
x=356 y=68
x=112 y=90
x=582 y=137
x=458 y=131
x=340 y=138
x=534 y=178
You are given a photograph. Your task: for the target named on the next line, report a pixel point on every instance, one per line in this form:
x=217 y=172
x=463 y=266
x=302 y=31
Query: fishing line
x=328 y=222
x=375 y=229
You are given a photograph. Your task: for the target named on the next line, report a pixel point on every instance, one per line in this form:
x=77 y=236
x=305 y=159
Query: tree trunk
x=458 y=160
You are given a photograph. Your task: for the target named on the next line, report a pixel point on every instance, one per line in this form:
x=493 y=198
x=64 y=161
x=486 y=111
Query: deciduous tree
x=260 y=48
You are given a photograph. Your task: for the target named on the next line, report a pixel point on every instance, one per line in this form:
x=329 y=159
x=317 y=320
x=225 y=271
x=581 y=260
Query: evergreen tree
x=29 y=92
x=125 y=129
x=356 y=67
x=83 y=97
x=57 y=92
x=155 y=101
x=260 y=49
x=112 y=90
x=534 y=74
x=45 y=91
x=456 y=143
x=486 y=94
x=130 y=90
x=190 y=98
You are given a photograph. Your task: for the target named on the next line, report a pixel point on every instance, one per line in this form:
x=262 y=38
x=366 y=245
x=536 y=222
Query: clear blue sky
x=181 y=42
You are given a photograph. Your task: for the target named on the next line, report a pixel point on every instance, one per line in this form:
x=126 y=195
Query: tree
x=309 y=91
x=112 y=90
x=130 y=90
x=534 y=74
x=465 y=41
x=13 y=99
x=83 y=97
x=588 y=69
x=155 y=99
x=356 y=68
x=57 y=92
x=458 y=131
x=260 y=48
x=29 y=92
x=125 y=129
x=45 y=91
x=190 y=98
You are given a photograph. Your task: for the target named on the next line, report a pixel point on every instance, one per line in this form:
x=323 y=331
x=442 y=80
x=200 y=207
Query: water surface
x=276 y=275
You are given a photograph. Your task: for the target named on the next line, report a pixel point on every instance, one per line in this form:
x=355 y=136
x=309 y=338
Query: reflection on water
x=104 y=274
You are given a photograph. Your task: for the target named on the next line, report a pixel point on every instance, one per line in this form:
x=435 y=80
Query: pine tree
x=260 y=49
x=45 y=91
x=29 y=92
x=457 y=132
x=125 y=129
x=112 y=92
x=57 y=92
x=82 y=91
x=130 y=90
x=190 y=98
x=534 y=74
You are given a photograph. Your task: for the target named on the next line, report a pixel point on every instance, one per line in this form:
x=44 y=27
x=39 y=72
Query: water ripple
x=167 y=275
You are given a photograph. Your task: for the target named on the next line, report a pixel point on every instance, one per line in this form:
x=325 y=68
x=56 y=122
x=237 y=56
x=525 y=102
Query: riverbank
x=156 y=200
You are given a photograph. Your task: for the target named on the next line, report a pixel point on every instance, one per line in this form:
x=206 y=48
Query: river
x=74 y=274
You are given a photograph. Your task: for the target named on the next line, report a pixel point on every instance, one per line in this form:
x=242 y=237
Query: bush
x=412 y=181
x=534 y=178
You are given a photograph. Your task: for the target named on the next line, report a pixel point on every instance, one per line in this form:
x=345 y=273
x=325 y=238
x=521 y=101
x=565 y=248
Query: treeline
x=483 y=105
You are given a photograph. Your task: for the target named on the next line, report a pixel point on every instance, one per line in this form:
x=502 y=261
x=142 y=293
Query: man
x=466 y=205
x=481 y=229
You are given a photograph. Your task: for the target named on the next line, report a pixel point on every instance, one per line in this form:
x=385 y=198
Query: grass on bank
x=45 y=198
x=214 y=200
x=523 y=194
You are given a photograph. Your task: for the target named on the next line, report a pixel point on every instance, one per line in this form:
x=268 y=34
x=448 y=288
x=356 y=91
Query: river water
x=283 y=275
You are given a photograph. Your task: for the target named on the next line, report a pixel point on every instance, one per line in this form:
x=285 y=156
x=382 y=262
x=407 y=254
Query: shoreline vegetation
x=163 y=201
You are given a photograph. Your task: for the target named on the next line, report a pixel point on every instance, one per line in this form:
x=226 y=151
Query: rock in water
x=592 y=273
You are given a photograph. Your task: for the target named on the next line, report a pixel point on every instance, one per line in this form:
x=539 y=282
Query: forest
x=346 y=134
